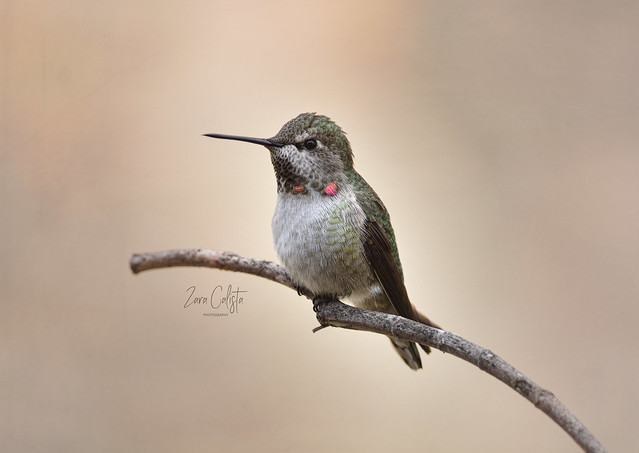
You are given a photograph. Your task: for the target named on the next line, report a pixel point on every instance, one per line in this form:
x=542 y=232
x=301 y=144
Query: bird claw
x=319 y=300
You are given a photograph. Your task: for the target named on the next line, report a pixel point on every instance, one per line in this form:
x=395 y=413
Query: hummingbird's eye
x=310 y=144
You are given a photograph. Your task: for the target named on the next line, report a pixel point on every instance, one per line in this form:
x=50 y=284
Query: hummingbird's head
x=312 y=149
x=310 y=152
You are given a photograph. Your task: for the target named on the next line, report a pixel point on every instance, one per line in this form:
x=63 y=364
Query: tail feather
x=408 y=351
x=424 y=320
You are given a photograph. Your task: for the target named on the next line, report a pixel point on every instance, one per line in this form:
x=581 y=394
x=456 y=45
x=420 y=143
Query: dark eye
x=310 y=144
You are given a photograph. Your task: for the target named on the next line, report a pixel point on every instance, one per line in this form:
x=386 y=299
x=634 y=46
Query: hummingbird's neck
x=301 y=185
x=302 y=179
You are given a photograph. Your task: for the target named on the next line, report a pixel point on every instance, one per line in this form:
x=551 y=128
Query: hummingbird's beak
x=257 y=141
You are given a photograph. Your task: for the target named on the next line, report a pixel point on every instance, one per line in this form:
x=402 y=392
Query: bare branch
x=337 y=314
x=210 y=258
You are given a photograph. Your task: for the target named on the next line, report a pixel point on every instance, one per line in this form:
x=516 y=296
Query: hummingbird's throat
x=330 y=189
x=324 y=187
x=298 y=175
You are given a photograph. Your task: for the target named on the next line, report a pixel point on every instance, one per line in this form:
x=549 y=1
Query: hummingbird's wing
x=379 y=254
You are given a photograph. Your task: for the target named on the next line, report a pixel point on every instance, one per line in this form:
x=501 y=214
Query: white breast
x=317 y=238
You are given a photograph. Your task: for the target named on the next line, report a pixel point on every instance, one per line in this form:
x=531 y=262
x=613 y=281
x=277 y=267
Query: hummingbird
x=331 y=231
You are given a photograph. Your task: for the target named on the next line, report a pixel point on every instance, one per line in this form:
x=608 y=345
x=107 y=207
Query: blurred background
x=502 y=136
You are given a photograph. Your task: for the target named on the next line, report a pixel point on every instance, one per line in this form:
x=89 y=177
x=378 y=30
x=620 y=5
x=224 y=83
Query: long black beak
x=257 y=141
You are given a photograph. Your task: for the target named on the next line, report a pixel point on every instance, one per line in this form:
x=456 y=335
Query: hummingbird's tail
x=424 y=320
x=408 y=351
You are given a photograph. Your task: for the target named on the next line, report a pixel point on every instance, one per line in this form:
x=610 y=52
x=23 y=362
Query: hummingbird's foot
x=319 y=300
x=298 y=288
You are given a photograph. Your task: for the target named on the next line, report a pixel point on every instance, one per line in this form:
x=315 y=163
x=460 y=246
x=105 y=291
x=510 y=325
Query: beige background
x=502 y=136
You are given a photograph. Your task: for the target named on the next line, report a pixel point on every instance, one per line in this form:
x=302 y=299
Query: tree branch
x=337 y=314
